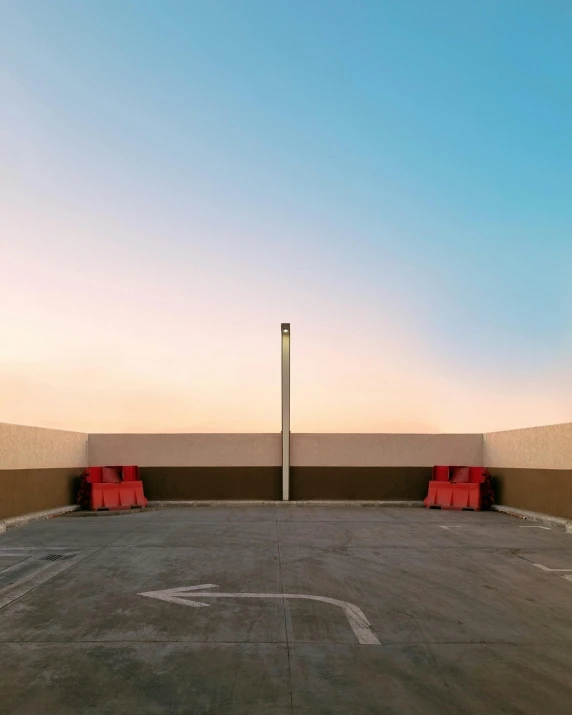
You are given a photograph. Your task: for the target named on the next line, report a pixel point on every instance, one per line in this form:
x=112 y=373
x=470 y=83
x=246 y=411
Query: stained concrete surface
x=466 y=622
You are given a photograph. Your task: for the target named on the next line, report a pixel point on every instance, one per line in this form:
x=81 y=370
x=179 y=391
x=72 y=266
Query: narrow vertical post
x=285 y=330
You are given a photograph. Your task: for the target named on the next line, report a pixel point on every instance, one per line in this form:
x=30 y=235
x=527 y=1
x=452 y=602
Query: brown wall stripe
x=165 y=483
x=181 y=483
x=26 y=490
x=548 y=491
x=368 y=483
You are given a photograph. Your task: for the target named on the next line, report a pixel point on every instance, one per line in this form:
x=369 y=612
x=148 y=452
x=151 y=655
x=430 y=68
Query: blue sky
x=398 y=173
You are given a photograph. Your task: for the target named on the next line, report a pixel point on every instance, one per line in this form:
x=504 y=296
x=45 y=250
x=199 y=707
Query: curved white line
x=356 y=617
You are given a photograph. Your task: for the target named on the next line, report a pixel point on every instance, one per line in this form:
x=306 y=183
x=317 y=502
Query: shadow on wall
x=212 y=483
x=265 y=483
x=23 y=491
x=363 y=483
x=548 y=491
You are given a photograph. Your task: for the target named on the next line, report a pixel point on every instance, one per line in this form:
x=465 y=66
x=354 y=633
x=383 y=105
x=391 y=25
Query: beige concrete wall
x=186 y=450
x=24 y=447
x=534 y=448
x=264 y=450
x=386 y=450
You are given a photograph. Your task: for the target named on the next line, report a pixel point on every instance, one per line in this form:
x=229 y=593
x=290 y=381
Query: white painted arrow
x=356 y=617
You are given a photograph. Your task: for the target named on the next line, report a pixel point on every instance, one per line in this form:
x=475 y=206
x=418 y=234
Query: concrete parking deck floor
x=466 y=622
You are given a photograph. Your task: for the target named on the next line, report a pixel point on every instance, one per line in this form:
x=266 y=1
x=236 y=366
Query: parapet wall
x=186 y=450
x=385 y=450
x=39 y=468
x=323 y=466
x=532 y=468
x=547 y=447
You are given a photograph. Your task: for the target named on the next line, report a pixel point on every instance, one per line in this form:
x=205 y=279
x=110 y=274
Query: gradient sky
x=392 y=177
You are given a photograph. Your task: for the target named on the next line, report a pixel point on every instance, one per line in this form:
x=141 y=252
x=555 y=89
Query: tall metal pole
x=285 y=330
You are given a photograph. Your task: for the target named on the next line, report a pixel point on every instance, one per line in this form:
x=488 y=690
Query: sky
x=392 y=178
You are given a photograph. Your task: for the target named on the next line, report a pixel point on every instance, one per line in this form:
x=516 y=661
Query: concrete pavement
x=466 y=619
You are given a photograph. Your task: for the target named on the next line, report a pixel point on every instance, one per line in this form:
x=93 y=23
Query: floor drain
x=52 y=557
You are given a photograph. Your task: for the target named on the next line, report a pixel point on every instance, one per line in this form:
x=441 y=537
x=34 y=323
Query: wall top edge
x=276 y=434
x=528 y=429
x=273 y=434
x=183 y=434
x=40 y=427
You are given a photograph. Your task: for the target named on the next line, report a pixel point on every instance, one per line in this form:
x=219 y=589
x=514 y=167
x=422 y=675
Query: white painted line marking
x=568 y=578
x=535 y=527
x=452 y=526
x=36 y=577
x=356 y=617
x=14 y=567
x=545 y=568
